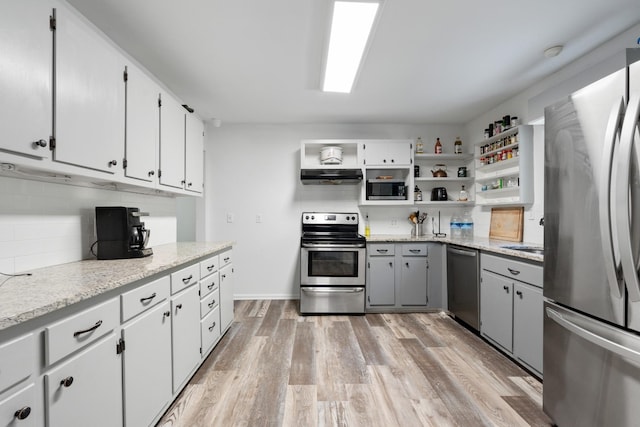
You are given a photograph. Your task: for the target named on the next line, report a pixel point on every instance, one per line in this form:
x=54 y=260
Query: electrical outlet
x=394 y=223
x=258 y=218
x=230 y=217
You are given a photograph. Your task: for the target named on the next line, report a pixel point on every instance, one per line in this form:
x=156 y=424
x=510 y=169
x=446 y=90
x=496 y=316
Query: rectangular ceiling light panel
x=350 y=30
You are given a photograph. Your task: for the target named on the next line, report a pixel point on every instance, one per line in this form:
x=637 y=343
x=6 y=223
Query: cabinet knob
x=179 y=306
x=113 y=163
x=22 y=413
x=407 y=264
x=506 y=288
x=166 y=314
x=519 y=293
x=384 y=160
x=189 y=184
x=67 y=381
x=183 y=182
x=41 y=143
x=151 y=173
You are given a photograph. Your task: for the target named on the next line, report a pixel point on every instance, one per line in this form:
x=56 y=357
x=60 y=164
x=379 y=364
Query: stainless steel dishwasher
x=463 y=288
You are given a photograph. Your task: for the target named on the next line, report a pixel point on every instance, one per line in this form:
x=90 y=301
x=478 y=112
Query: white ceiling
x=428 y=62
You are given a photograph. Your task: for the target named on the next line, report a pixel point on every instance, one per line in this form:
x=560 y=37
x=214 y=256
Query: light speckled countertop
x=51 y=288
x=481 y=243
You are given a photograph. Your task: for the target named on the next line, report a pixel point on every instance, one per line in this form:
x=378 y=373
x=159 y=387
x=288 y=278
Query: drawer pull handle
x=212 y=303
x=211 y=267
x=187 y=279
x=149 y=298
x=382 y=251
x=179 y=306
x=212 y=326
x=22 y=413
x=415 y=251
x=66 y=382
x=93 y=328
x=211 y=286
x=512 y=271
x=166 y=314
x=226 y=259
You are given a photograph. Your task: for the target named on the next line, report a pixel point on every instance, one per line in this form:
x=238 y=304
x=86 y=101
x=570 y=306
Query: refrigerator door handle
x=594 y=338
x=629 y=268
x=611 y=264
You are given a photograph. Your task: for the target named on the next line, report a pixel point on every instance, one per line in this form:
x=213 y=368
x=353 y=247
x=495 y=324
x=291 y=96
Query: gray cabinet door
x=496 y=309
x=413 y=281
x=527 y=325
x=226 y=295
x=381 y=281
x=185 y=334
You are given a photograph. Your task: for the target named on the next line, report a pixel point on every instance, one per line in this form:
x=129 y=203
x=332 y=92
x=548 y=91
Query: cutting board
x=507 y=224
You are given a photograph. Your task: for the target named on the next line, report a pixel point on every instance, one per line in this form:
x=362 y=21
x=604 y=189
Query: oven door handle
x=319 y=290
x=326 y=245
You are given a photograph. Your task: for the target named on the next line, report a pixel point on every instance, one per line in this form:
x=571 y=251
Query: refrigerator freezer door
x=633 y=320
x=591 y=371
x=574 y=267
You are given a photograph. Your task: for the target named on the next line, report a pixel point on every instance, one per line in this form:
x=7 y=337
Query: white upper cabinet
x=142 y=126
x=90 y=95
x=172 y=123
x=387 y=153
x=25 y=77
x=194 y=151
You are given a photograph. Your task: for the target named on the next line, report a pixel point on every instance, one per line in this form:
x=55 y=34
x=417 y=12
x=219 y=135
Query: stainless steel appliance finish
x=332 y=264
x=592 y=247
x=463 y=290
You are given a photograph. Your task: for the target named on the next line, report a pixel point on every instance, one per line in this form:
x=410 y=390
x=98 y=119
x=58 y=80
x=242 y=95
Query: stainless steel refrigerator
x=592 y=252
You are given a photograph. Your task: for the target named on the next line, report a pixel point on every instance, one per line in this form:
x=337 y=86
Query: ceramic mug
x=462 y=172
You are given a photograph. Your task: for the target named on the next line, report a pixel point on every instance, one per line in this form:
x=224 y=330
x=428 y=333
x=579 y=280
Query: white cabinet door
x=226 y=296
x=387 y=153
x=89 y=119
x=528 y=319
x=413 y=281
x=172 y=119
x=496 y=311
x=381 y=286
x=86 y=390
x=142 y=125
x=194 y=152
x=185 y=334
x=25 y=77
x=21 y=409
x=146 y=363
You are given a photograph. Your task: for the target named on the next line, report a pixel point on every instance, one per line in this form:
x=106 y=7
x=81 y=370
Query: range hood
x=331 y=176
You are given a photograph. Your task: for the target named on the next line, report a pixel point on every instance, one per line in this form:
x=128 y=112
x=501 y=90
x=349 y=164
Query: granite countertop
x=481 y=243
x=51 y=288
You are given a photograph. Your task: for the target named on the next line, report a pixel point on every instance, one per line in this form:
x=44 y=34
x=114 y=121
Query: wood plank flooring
x=276 y=368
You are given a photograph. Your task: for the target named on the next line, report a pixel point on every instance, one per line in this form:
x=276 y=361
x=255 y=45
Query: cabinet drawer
x=209 y=266
x=382 y=249
x=68 y=335
x=24 y=401
x=17 y=360
x=516 y=270
x=209 y=284
x=414 y=250
x=209 y=302
x=226 y=258
x=140 y=299
x=184 y=278
x=210 y=329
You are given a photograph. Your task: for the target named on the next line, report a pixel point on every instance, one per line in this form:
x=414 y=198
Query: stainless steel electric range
x=332 y=264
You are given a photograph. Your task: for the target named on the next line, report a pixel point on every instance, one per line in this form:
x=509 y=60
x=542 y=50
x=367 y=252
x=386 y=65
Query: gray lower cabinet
x=185 y=334
x=398 y=277
x=511 y=310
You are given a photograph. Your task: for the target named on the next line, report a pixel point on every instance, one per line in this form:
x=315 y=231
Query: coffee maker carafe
x=120 y=233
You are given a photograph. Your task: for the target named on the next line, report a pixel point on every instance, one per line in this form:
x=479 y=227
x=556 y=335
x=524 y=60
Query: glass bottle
x=419 y=146
x=438 y=146
x=466 y=226
x=457 y=146
x=367 y=227
x=417 y=194
x=464 y=196
x=455 y=226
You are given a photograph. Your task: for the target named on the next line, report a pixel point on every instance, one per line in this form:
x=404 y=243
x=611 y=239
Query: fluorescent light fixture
x=351 y=27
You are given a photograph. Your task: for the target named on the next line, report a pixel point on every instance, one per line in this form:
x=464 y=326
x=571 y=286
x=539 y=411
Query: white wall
x=255 y=170
x=43 y=224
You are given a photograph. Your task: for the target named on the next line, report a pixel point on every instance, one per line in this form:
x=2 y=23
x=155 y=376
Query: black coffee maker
x=120 y=233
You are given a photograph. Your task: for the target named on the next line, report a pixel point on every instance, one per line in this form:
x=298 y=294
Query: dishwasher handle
x=462 y=252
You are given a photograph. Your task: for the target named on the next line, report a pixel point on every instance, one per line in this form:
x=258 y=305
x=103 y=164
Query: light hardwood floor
x=277 y=368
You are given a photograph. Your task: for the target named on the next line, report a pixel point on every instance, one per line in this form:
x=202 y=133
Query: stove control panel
x=329 y=218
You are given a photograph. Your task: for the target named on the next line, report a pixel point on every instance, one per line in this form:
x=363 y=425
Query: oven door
x=332 y=266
